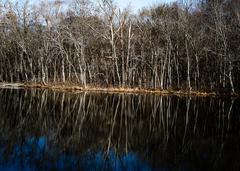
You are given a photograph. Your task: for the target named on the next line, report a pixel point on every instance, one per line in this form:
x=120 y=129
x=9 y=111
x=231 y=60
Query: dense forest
x=179 y=46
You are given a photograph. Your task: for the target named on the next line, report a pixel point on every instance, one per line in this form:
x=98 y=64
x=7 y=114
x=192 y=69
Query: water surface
x=47 y=130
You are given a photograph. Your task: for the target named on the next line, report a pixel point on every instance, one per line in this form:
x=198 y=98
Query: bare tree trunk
x=114 y=52
x=188 y=66
x=63 y=70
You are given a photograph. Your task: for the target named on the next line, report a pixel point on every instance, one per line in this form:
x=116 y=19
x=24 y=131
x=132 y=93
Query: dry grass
x=76 y=89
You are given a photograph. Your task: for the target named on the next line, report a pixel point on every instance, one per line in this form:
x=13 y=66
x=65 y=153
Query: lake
x=48 y=130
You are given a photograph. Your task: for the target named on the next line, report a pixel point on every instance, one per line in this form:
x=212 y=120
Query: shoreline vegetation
x=126 y=90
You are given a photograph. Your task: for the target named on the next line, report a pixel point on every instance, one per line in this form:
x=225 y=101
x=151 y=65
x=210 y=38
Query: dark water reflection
x=45 y=130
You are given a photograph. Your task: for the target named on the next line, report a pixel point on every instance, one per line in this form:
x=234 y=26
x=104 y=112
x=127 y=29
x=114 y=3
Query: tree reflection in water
x=47 y=130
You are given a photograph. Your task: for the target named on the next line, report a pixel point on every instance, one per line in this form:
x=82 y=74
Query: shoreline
x=126 y=90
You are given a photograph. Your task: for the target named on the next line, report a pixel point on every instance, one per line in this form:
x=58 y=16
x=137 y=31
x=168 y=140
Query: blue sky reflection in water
x=31 y=156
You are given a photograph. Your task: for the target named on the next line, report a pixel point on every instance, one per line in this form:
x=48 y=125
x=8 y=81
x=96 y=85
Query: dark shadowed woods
x=172 y=46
